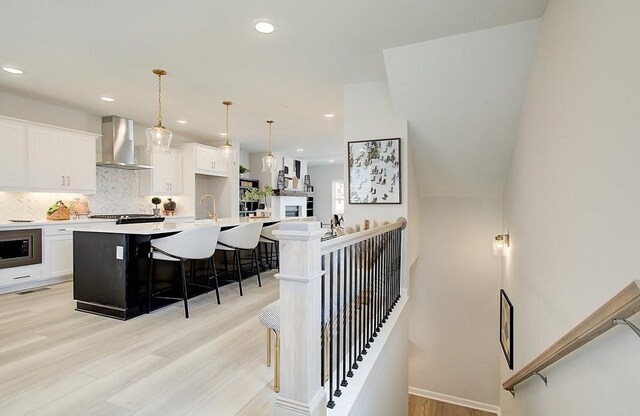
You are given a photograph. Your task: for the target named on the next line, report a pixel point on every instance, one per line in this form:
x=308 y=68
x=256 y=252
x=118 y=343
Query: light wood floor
x=420 y=406
x=56 y=361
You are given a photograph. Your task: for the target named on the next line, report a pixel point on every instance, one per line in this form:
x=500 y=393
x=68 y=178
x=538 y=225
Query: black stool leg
x=184 y=289
x=236 y=254
x=149 y=288
x=215 y=280
x=254 y=255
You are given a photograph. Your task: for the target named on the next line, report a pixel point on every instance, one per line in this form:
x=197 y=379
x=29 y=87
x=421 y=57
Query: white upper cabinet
x=43 y=158
x=13 y=158
x=209 y=161
x=61 y=160
x=166 y=176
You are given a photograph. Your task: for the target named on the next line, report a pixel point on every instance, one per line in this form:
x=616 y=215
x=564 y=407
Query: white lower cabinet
x=20 y=275
x=58 y=256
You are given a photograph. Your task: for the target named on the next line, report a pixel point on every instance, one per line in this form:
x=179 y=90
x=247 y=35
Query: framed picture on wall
x=506 y=327
x=374 y=171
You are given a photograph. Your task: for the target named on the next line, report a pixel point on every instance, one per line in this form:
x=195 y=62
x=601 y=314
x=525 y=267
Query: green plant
x=157 y=201
x=254 y=194
x=243 y=169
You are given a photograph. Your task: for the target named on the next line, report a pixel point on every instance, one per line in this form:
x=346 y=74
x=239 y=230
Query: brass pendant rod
x=227 y=103
x=159 y=73
x=270 y=122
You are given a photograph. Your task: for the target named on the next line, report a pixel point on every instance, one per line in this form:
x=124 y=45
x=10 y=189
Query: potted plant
x=243 y=170
x=156 y=201
x=169 y=206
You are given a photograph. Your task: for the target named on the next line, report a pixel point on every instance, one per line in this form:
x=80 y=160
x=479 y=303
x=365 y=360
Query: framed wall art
x=506 y=327
x=374 y=172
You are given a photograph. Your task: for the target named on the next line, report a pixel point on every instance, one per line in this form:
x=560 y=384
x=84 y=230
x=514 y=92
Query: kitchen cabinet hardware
x=22 y=277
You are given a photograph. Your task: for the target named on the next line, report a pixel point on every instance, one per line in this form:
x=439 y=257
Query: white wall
x=571 y=207
x=453 y=297
x=321 y=178
x=368 y=114
x=385 y=390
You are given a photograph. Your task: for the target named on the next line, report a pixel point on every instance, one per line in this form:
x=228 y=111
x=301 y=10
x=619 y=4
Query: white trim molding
x=441 y=397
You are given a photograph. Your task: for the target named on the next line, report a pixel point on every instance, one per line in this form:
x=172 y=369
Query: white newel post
x=300 y=284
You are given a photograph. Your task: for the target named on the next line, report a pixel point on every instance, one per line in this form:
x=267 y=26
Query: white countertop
x=151 y=228
x=44 y=223
x=37 y=223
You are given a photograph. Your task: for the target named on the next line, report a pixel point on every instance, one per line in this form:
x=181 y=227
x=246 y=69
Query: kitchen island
x=111 y=264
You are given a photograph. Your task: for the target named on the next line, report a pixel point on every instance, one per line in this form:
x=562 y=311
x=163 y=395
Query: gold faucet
x=213 y=215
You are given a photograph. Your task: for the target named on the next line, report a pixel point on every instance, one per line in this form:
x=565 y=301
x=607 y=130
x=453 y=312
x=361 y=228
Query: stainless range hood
x=118 y=144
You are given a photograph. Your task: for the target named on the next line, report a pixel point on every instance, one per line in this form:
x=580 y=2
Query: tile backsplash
x=117 y=192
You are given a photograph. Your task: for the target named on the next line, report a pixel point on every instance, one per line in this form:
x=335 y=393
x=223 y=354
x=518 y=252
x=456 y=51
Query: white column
x=300 y=285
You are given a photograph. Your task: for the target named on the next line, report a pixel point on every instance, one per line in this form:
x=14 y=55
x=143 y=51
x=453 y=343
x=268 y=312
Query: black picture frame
x=375 y=171
x=506 y=327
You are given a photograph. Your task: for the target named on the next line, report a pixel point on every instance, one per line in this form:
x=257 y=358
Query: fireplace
x=292 y=210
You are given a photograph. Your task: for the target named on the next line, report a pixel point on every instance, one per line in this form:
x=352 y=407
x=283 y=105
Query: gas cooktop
x=130 y=218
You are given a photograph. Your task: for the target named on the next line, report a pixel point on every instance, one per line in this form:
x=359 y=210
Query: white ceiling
x=462 y=97
x=73 y=51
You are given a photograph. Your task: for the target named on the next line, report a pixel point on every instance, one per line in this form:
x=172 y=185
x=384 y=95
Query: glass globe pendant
x=228 y=155
x=158 y=136
x=269 y=160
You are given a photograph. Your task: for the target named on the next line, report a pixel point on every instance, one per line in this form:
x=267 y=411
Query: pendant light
x=159 y=137
x=269 y=161
x=227 y=150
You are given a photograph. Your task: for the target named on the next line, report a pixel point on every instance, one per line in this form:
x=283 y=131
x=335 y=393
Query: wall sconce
x=500 y=244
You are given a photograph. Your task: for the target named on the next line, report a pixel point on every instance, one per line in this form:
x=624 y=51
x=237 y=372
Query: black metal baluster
x=365 y=298
x=345 y=310
x=353 y=320
x=385 y=285
x=398 y=262
x=360 y=304
x=387 y=253
x=322 y=326
x=370 y=289
x=330 y=403
x=338 y=392
x=374 y=326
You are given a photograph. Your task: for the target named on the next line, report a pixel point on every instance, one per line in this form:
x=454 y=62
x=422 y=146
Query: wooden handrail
x=346 y=240
x=622 y=306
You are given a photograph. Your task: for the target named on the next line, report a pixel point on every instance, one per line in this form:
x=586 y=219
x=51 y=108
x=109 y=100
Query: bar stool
x=197 y=243
x=270 y=318
x=270 y=242
x=243 y=237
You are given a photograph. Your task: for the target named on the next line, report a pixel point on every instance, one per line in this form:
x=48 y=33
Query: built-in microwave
x=20 y=247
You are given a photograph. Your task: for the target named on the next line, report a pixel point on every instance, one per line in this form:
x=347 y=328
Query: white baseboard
x=34 y=285
x=455 y=400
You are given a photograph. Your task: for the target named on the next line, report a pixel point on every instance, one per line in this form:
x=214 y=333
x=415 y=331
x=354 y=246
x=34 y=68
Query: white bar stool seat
x=198 y=243
x=243 y=237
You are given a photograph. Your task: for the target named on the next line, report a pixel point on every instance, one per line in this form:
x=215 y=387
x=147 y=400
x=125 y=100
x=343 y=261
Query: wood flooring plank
x=166 y=379
x=245 y=385
x=422 y=406
x=94 y=393
x=261 y=404
x=183 y=396
x=34 y=398
x=105 y=409
x=58 y=361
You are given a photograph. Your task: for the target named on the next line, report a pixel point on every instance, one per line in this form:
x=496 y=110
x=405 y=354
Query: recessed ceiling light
x=265 y=26
x=329 y=115
x=299 y=149
x=181 y=121
x=223 y=134
x=331 y=160
x=107 y=99
x=13 y=70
